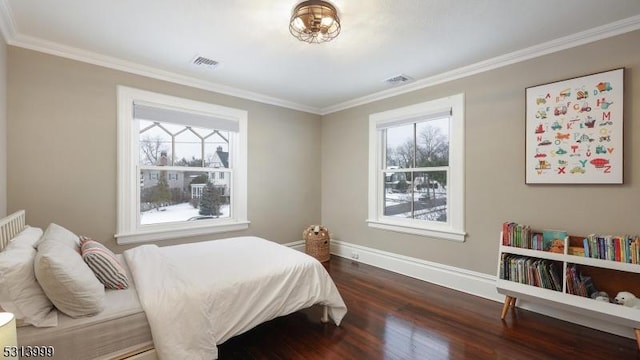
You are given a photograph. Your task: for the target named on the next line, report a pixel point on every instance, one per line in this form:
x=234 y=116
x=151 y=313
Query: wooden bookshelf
x=607 y=275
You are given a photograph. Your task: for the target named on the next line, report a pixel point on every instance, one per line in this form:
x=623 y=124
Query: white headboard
x=10 y=226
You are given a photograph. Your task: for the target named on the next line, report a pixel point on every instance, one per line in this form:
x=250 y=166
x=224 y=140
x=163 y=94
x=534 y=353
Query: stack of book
x=518 y=235
x=531 y=271
x=579 y=284
x=615 y=248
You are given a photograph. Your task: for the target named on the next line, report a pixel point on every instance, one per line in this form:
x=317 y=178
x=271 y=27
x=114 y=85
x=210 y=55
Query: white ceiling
x=428 y=40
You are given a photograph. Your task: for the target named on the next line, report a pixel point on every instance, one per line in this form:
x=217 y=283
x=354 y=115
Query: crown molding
x=567 y=42
x=148 y=71
x=14 y=38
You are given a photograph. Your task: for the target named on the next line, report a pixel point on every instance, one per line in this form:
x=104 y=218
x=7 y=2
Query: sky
x=188 y=144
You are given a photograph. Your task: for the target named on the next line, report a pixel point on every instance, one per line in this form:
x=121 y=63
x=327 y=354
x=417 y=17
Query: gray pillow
x=104 y=263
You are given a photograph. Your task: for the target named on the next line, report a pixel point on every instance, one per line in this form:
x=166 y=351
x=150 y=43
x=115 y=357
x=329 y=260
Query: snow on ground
x=175 y=213
x=397 y=197
x=431 y=214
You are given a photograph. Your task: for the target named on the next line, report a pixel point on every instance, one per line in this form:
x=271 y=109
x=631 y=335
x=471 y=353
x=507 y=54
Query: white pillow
x=59 y=234
x=65 y=277
x=20 y=292
x=26 y=238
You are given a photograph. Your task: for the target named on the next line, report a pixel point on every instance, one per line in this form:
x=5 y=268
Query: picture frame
x=574 y=130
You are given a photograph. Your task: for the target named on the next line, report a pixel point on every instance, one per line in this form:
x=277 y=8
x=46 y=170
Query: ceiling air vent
x=205 y=62
x=398 y=80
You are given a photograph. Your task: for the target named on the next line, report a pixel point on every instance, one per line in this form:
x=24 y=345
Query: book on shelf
x=536 y=241
x=587 y=248
x=530 y=271
x=606 y=247
x=519 y=235
x=553 y=240
x=578 y=283
x=576 y=251
x=623 y=248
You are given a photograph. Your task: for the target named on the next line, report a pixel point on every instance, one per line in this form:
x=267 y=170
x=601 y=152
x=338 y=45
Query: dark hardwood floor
x=396 y=317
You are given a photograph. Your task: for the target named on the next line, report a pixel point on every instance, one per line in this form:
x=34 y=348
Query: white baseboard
x=467 y=281
x=297 y=245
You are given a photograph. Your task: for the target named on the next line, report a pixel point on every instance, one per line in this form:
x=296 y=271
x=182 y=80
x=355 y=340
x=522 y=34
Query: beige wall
x=62 y=156
x=3 y=127
x=494 y=155
x=62 y=150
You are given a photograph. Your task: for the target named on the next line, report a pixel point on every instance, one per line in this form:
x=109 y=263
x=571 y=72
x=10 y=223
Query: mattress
x=120 y=327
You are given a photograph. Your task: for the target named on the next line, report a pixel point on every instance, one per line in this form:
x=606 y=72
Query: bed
x=120 y=331
x=184 y=300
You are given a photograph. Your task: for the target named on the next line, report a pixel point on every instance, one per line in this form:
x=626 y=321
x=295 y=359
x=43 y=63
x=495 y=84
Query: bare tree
x=405 y=154
x=151 y=148
x=391 y=157
x=433 y=147
x=429 y=148
x=432 y=150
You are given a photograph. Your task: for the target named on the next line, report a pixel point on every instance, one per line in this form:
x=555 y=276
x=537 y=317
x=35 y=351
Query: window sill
x=173 y=232
x=445 y=234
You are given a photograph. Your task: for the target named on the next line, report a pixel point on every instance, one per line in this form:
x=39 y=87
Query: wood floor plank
x=396 y=317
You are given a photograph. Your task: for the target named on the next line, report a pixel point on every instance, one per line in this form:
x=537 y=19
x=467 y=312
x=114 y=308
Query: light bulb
x=327 y=21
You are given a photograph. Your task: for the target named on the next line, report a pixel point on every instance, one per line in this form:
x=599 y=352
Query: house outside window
x=416 y=169
x=179 y=148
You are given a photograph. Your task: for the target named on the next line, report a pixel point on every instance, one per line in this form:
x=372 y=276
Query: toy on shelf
x=601 y=296
x=627 y=299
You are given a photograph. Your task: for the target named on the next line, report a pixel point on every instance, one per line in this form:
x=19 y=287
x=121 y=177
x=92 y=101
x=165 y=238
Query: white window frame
x=129 y=229
x=453 y=229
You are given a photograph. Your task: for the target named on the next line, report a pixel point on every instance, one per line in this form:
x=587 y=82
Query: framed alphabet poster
x=574 y=130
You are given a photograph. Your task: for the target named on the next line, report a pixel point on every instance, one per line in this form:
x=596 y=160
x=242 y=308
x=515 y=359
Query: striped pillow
x=104 y=264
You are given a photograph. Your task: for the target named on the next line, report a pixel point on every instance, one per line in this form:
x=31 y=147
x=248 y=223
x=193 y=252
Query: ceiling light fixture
x=314 y=22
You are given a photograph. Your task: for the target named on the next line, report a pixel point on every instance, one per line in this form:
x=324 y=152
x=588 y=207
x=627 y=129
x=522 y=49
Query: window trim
x=128 y=229
x=454 y=229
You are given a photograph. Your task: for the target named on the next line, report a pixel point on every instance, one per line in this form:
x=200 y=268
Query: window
x=416 y=169
x=182 y=167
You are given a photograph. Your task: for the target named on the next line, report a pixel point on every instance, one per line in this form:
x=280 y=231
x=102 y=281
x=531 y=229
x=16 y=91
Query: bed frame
x=11 y=226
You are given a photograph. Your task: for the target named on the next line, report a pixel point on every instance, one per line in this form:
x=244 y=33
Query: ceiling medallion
x=314 y=22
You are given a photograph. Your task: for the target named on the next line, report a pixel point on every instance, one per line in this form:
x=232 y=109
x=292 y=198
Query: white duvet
x=199 y=295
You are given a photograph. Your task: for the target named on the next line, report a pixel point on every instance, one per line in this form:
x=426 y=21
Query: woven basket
x=316 y=242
